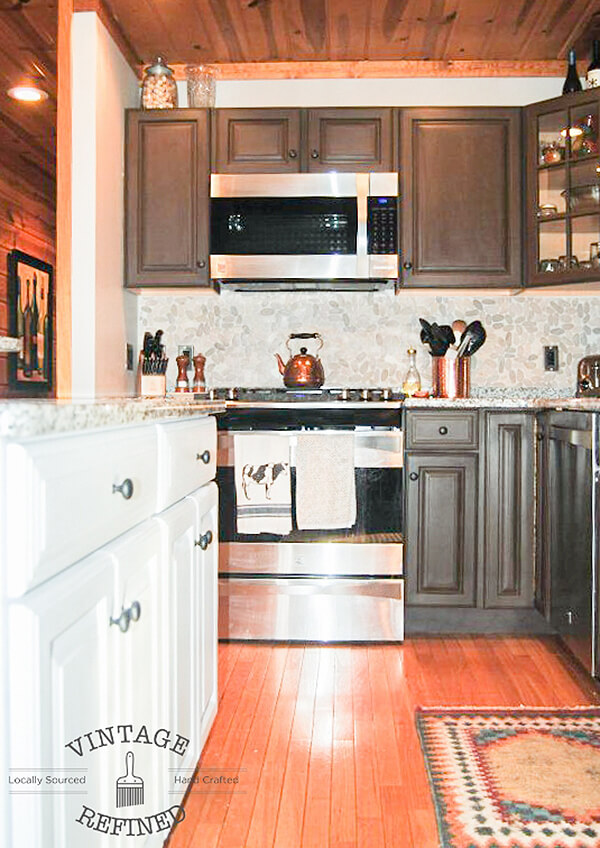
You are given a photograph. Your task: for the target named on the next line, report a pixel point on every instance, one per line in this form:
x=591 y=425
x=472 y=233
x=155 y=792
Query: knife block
x=150 y=385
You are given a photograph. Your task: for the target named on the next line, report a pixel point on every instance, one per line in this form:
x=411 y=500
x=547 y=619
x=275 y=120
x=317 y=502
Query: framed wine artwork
x=30 y=299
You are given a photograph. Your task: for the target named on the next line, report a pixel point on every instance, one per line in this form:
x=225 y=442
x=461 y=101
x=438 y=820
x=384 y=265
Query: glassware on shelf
x=412 y=380
x=594 y=254
x=159 y=89
x=200 y=86
x=551 y=153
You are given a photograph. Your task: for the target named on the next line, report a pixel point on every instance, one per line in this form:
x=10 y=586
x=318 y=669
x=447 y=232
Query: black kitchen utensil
x=435 y=337
x=472 y=339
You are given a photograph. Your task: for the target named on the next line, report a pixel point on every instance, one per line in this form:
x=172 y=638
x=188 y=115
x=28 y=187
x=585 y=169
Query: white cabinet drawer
x=187 y=452
x=63 y=499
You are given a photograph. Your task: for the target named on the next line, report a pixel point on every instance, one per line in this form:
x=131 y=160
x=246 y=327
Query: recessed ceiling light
x=27 y=93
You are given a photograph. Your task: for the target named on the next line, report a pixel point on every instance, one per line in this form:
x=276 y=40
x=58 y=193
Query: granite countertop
x=533 y=399
x=22 y=419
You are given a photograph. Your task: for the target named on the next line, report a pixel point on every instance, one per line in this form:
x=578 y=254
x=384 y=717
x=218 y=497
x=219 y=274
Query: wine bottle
x=27 y=336
x=572 y=81
x=592 y=75
x=20 y=325
x=35 y=317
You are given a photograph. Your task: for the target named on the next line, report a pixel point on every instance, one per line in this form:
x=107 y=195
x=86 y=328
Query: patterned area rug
x=514 y=778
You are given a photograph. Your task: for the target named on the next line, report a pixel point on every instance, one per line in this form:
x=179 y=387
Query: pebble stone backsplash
x=366 y=335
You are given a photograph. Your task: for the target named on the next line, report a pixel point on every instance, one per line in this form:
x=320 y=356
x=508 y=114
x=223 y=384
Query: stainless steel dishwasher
x=572 y=516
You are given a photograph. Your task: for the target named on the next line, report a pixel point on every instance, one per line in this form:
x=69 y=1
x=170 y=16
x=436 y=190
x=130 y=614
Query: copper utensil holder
x=451 y=377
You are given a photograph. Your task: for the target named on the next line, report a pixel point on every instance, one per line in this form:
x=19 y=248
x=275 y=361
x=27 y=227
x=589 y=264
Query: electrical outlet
x=186 y=349
x=550 y=358
x=129 y=357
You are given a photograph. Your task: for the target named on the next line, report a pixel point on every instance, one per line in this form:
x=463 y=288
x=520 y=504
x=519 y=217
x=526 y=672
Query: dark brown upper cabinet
x=256 y=141
x=562 y=198
x=167 y=191
x=461 y=197
x=350 y=140
x=293 y=140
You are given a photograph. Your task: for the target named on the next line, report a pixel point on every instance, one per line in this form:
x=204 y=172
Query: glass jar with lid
x=159 y=89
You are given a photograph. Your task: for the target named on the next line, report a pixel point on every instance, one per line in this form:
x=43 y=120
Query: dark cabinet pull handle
x=292 y=153
x=204 y=541
x=201 y=263
x=407 y=266
x=205 y=456
x=540 y=437
x=443 y=431
x=413 y=475
x=126 y=488
x=314 y=154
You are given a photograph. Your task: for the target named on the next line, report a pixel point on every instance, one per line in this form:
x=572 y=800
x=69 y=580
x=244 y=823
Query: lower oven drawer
x=317 y=609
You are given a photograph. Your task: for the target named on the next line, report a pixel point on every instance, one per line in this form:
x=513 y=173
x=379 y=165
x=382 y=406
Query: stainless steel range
x=292 y=464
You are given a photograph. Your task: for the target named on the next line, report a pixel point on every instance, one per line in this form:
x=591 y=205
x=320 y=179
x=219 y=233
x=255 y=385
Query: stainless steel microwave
x=304 y=231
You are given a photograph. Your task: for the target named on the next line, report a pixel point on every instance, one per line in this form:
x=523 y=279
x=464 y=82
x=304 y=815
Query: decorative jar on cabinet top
x=159 y=89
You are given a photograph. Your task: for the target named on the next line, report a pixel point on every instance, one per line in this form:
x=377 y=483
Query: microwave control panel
x=382 y=225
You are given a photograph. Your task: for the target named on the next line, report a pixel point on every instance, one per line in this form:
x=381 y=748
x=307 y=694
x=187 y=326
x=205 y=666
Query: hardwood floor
x=323 y=739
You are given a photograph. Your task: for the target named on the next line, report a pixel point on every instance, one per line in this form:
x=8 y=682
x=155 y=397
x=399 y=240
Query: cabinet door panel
x=257 y=140
x=461 y=196
x=60 y=689
x=183 y=587
x=350 y=140
x=441 y=529
x=167 y=198
x=509 y=498
x=206 y=503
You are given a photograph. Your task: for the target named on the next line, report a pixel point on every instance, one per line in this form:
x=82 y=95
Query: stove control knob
x=365 y=394
x=345 y=394
x=387 y=394
x=232 y=394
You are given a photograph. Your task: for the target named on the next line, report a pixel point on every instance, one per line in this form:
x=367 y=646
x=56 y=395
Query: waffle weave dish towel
x=262 y=483
x=325 y=485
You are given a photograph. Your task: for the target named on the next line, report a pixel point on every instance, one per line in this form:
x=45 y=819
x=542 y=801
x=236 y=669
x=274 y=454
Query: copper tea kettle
x=302 y=370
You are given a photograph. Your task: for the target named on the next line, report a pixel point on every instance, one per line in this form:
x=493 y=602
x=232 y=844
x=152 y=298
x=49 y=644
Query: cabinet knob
x=443 y=431
x=407 y=266
x=204 y=541
x=292 y=153
x=201 y=263
x=126 y=488
x=314 y=154
x=540 y=436
x=413 y=475
x=205 y=456
x=128 y=615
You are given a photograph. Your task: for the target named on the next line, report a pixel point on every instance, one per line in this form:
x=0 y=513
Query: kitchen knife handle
x=413 y=475
x=205 y=456
x=126 y=488
x=204 y=541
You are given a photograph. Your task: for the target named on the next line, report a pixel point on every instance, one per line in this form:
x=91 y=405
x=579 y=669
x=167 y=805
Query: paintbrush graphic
x=130 y=789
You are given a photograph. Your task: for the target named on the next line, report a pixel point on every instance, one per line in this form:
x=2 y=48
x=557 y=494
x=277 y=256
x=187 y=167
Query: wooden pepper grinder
x=183 y=363
x=199 y=382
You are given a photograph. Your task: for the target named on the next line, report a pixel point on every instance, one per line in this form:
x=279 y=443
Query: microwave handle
x=362 y=194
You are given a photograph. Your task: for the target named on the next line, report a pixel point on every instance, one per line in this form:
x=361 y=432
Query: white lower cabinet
x=60 y=687
x=207 y=511
x=121 y=646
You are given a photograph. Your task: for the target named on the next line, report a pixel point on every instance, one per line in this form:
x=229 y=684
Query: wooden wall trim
x=379 y=70
x=64 y=203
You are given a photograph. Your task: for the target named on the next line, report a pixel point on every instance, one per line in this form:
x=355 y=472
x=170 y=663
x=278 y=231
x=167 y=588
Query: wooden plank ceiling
x=28 y=32
x=241 y=31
